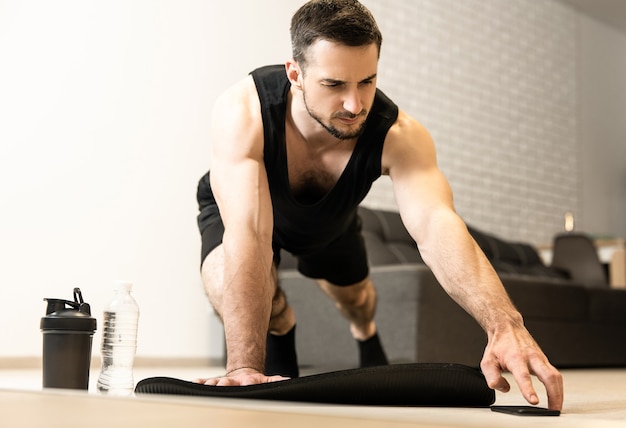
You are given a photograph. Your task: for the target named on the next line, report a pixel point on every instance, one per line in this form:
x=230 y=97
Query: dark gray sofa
x=576 y=325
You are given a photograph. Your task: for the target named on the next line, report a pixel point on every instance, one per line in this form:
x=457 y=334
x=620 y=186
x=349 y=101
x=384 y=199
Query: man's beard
x=334 y=131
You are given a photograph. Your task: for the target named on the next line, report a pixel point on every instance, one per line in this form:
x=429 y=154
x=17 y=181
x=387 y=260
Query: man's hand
x=517 y=352
x=241 y=377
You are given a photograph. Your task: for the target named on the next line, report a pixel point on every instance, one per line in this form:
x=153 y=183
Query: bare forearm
x=467 y=276
x=246 y=305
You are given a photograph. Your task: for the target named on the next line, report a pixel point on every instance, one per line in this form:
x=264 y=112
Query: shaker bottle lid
x=68 y=315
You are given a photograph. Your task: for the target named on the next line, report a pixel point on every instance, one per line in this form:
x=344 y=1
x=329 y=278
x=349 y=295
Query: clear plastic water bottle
x=119 y=342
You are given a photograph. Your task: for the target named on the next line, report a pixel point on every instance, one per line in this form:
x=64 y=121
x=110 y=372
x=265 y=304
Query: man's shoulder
x=239 y=103
x=406 y=127
x=239 y=94
x=408 y=142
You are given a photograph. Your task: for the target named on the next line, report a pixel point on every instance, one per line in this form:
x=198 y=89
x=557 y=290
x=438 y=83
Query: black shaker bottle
x=68 y=330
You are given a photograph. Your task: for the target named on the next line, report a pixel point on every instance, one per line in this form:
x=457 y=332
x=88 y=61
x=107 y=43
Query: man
x=294 y=150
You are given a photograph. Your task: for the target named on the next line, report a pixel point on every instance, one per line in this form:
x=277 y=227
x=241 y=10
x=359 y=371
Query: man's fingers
x=494 y=378
x=212 y=381
x=553 y=382
x=525 y=383
x=276 y=378
x=555 y=398
x=520 y=369
x=554 y=388
x=518 y=354
x=545 y=372
x=239 y=380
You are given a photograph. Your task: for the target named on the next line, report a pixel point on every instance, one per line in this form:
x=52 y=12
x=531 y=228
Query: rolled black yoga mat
x=415 y=384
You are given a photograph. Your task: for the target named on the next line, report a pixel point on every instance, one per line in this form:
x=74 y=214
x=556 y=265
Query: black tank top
x=304 y=228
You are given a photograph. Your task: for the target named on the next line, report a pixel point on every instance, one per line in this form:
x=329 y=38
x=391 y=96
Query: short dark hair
x=347 y=22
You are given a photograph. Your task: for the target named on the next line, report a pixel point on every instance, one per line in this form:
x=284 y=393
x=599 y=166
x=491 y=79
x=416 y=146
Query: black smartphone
x=525 y=410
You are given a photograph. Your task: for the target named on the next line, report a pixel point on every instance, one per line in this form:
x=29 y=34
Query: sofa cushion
x=547 y=300
x=381 y=253
x=607 y=305
x=484 y=241
x=513 y=257
x=386 y=239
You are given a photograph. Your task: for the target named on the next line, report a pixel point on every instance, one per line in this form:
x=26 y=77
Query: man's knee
x=356 y=295
x=282 y=318
x=212 y=272
x=279 y=300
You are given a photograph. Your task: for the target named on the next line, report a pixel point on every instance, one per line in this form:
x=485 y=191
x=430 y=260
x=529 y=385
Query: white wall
x=104 y=108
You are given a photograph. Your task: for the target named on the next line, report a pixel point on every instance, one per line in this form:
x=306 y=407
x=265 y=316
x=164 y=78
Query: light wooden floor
x=593 y=398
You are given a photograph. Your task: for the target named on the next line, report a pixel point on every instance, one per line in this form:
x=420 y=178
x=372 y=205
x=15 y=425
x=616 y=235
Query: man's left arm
x=425 y=201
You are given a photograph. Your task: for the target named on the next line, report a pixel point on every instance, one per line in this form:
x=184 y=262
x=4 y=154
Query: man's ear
x=294 y=73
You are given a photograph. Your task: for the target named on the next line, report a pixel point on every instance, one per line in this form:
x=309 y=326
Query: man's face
x=339 y=85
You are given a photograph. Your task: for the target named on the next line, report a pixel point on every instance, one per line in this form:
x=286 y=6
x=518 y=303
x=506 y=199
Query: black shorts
x=342 y=262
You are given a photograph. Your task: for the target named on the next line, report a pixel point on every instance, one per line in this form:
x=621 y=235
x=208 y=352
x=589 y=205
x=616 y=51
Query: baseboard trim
x=24 y=363
x=18 y=363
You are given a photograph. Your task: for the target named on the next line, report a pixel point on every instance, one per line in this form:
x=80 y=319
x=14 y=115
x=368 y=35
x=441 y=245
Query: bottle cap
x=123 y=285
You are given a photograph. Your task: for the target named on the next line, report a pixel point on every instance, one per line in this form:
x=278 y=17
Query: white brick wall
x=494 y=81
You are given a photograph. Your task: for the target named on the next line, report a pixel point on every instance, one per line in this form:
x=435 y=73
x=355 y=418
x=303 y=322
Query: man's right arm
x=239 y=183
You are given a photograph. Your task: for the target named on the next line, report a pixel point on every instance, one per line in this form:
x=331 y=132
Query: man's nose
x=352 y=102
